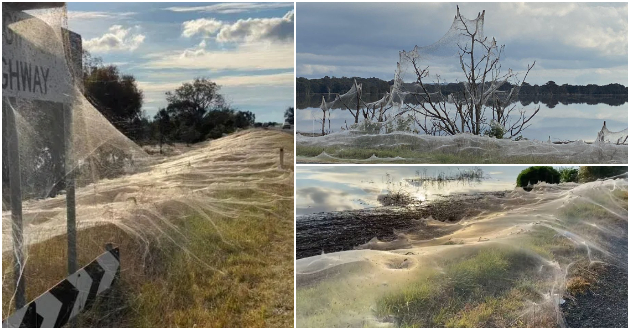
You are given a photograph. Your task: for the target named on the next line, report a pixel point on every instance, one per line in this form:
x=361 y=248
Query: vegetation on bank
x=548 y=174
x=376 y=86
x=536 y=174
x=492 y=284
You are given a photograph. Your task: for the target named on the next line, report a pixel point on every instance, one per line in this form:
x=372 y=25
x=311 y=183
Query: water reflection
x=561 y=118
x=550 y=101
x=339 y=188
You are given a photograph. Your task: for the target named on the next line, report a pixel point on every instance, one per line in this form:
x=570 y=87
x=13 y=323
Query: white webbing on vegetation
x=526 y=244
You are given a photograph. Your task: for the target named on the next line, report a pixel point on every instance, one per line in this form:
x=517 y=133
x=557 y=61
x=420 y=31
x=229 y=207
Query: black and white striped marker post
x=67 y=299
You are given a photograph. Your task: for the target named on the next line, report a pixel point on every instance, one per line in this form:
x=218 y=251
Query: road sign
x=33 y=67
x=67 y=299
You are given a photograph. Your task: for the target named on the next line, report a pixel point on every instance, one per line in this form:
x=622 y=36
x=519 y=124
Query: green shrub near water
x=592 y=173
x=535 y=174
x=568 y=174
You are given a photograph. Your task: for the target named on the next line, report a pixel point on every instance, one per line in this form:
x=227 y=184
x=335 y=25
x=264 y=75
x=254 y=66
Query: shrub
x=400 y=198
x=568 y=174
x=577 y=285
x=535 y=174
x=368 y=126
x=592 y=173
x=496 y=130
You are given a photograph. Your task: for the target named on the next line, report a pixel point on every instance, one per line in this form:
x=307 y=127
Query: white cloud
x=202 y=26
x=232 y=8
x=278 y=79
x=309 y=69
x=577 y=37
x=245 y=57
x=259 y=29
x=603 y=28
x=116 y=39
x=88 y=15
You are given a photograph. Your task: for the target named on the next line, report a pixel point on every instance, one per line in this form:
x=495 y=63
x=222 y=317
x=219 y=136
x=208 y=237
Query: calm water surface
x=578 y=121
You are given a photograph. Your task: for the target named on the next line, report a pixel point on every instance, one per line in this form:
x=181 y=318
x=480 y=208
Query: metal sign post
x=15 y=184
x=71 y=216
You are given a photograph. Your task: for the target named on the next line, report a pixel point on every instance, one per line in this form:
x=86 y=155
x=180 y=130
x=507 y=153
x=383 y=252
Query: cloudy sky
x=247 y=48
x=574 y=43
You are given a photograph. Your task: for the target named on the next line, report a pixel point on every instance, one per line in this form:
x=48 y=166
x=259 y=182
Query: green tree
x=535 y=174
x=193 y=100
x=568 y=174
x=592 y=173
x=288 y=115
x=114 y=95
x=164 y=126
x=188 y=106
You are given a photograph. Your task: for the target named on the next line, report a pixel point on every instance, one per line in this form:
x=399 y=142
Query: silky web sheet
x=512 y=260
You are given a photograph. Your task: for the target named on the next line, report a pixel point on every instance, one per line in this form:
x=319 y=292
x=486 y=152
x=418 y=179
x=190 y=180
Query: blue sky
x=247 y=48
x=574 y=43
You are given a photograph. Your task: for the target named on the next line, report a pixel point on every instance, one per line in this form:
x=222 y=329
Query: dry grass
x=577 y=285
x=167 y=286
x=221 y=271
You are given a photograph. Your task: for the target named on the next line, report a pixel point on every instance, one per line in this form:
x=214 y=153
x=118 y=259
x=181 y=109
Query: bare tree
x=353 y=95
x=479 y=60
x=324 y=109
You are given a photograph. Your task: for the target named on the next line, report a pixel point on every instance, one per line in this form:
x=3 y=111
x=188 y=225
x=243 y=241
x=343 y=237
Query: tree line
x=535 y=174
x=195 y=111
x=378 y=86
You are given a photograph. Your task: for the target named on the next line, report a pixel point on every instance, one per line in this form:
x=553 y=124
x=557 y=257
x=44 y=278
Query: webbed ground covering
x=509 y=266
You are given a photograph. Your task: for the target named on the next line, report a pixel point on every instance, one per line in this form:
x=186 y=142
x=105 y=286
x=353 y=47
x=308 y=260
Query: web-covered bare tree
x=481 y=107
x=352 y=101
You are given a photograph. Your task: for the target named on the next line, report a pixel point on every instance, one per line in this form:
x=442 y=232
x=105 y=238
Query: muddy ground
x=340 y=231
x=604 y=304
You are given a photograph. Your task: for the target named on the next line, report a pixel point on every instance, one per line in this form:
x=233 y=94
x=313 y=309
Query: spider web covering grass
x=509 y=266
x=221 y=259
x=403 y=147
x=205 y=233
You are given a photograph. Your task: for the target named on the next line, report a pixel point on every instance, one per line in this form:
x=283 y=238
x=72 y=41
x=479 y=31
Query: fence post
x=281 y=166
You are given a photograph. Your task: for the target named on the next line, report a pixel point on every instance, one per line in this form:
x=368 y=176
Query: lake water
x=341 y=188
x=561 y=122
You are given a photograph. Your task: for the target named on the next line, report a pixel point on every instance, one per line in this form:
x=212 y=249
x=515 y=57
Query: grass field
x=204 y=270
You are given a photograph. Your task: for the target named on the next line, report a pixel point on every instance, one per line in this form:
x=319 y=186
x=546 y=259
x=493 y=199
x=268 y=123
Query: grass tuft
x=485 y=289
x=577 y=285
